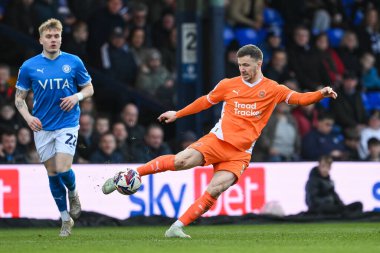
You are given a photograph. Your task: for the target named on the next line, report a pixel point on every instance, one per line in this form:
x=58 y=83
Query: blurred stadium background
x=149 y=56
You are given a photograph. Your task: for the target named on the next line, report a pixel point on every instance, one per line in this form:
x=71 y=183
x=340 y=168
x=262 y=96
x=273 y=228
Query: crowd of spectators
x=306 y=45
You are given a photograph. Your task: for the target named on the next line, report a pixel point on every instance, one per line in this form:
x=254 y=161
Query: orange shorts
x=222 y=155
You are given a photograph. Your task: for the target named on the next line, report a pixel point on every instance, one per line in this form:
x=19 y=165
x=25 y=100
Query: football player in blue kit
x=54 y=77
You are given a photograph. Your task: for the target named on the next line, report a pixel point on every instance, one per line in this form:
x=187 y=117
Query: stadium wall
x=24 y=190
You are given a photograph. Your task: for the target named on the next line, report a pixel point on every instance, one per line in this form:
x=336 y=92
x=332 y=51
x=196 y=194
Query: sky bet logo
x=246 y=196
x=9 y=194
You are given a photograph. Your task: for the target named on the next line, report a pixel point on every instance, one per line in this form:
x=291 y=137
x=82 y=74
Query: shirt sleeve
x=81 y=75
x=217 y=94
x=283 y=93
x=198 y=105
x=295 y=98
x=23 y=80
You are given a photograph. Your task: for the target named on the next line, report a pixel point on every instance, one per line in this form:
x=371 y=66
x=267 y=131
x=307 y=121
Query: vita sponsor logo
x=246 y=109
x=54 y=83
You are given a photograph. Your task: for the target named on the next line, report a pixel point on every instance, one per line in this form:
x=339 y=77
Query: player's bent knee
x=179 y=162
x=182 y=162
x=215 y=191
x=188 y=159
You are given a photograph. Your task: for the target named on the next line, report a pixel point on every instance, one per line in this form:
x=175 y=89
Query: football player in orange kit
x=248 y=102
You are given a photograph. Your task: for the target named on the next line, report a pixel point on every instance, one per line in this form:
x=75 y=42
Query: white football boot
x=176 y=232
x=66 y=228
x=75 y=207
x=109 y=186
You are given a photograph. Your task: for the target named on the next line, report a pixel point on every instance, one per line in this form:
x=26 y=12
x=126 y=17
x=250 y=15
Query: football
x=127 y=182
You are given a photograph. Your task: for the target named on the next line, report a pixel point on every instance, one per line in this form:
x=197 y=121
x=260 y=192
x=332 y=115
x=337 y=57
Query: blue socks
x=58 y=191
x=68 y=178
x=57 y=185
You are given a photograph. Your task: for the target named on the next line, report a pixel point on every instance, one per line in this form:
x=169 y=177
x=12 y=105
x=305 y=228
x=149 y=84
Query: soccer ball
x=127 y=182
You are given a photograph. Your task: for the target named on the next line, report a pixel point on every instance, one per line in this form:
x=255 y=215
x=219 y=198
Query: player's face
x=249 y=68
x=51 y=41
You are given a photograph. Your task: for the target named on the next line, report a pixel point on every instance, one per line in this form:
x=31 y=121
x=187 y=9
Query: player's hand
x=34 y=124
x=69 y=102
x=328 y=92
x=168 y=117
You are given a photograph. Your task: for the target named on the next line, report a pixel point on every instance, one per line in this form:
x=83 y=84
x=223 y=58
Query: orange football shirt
x=246 y=109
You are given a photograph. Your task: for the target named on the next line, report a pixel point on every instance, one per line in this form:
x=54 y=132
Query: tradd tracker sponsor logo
x=246 y=109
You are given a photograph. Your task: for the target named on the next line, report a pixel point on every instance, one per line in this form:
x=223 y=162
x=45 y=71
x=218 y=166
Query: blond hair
x=50 y=24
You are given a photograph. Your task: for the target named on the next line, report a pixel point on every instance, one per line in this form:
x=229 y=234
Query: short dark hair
x=373 y=142
x=153 y=126
x=106 y=134
x=326 y=158
x=325 y=115
x=8 y=132
x=4 y=66
x=250 y=50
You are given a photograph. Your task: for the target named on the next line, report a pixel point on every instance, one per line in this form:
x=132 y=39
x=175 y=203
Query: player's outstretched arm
x=33 y=122
x=198 y=105
x=308 y=98
x=69 y=102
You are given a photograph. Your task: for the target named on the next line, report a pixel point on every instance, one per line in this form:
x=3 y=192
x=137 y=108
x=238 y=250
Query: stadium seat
x=347 y=6
x=272 y=18
x=228 y=35
x=371 y=101
x=250 y=36
x=245 y=35
x=335 y=36
x=365 y=102
x=358 y=17
x=325 y=103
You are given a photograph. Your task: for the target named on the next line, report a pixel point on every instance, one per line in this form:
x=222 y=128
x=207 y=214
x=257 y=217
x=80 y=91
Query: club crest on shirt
x=66 y=68
x=261 y=93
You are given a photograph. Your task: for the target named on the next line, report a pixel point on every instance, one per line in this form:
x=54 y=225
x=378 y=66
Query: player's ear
x=40 y=40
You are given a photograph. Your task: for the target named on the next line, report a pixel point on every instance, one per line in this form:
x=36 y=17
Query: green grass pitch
x=284 y=238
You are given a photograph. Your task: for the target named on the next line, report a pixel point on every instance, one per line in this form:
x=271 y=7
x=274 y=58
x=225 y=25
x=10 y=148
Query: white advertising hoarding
x=24 y=190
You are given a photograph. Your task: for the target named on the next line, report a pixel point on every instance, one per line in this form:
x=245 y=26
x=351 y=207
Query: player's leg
x=185 y=159
x=68 y=178
x=45 y=145
x=65 y=149
x=58 y=191
x=220 y=182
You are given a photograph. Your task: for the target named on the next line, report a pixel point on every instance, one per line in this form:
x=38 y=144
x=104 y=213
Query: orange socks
x=199 y=207
x=160 y=164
